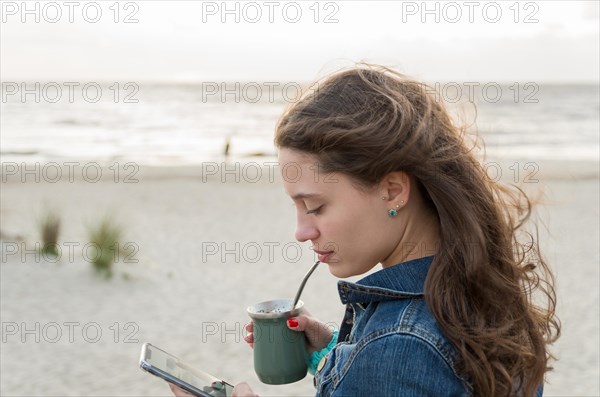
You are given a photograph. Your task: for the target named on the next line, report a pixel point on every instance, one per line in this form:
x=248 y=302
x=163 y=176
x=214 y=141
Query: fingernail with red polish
x=292 y=322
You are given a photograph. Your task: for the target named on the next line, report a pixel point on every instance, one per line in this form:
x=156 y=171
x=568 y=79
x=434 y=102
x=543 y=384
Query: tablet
x=168 y=367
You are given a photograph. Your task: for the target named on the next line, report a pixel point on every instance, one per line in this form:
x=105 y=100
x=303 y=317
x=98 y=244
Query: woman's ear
x=395 y=186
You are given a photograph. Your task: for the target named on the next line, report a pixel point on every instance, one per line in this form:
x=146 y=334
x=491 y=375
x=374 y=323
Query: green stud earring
x=393 y=212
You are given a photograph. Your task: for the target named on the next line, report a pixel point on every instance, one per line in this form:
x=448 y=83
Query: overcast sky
x=543 y=41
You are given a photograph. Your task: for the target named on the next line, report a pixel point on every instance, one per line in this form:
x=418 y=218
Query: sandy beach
x=201 y=246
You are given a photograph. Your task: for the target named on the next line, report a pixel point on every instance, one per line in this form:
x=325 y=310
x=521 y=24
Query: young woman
x=380 y=173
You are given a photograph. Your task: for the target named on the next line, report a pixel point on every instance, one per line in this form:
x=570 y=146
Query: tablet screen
x=199 y=379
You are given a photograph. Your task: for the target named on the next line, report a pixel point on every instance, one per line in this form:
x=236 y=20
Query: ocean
x=182 y=124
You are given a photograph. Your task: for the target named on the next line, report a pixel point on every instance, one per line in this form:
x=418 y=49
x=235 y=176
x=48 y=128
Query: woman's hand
x=242 y=389
x=179 y=392
x=318 y=334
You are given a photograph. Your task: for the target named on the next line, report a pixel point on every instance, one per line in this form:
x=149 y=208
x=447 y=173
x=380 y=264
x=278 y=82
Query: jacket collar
x=404 y=280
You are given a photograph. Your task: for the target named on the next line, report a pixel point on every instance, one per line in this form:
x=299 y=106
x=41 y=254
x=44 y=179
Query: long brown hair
x=370 y=120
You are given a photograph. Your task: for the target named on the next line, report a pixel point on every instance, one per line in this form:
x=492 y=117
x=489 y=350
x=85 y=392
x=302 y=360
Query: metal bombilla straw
x=310 y=271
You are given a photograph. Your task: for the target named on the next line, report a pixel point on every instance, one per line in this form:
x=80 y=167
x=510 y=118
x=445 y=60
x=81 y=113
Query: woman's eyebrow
x=301 y=196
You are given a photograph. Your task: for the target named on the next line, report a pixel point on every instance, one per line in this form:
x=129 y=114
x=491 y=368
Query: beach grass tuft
x=105 y=238
x=49 y=231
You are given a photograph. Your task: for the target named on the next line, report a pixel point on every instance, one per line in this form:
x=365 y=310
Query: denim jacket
x=389 y=342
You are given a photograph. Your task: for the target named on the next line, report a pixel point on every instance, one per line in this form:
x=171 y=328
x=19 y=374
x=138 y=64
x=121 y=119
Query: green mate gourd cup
x=280 y=354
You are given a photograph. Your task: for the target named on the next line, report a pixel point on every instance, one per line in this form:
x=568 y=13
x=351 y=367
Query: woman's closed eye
x=315 y=211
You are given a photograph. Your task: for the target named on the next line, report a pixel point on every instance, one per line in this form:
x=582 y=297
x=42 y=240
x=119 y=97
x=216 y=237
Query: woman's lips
x=323 y=255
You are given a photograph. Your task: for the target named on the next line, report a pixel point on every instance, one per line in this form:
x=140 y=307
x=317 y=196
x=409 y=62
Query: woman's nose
x=306 y=230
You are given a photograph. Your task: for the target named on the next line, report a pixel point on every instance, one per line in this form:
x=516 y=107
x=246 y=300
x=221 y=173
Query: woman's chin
x=338 y=270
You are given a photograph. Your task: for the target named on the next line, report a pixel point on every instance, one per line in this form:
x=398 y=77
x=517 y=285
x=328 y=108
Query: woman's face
x=350 y=228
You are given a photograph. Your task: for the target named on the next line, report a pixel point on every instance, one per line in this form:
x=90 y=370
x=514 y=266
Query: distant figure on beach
x=226 y=150
x=461 y=305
